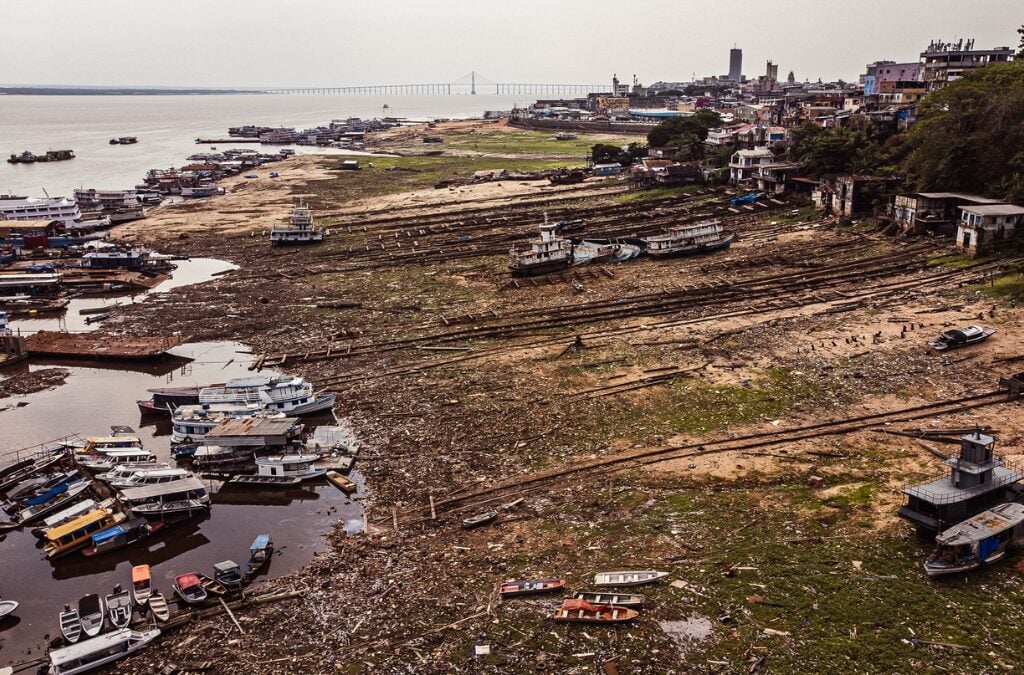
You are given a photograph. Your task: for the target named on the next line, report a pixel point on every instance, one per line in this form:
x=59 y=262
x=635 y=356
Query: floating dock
x=98 y=346
x=225 y=141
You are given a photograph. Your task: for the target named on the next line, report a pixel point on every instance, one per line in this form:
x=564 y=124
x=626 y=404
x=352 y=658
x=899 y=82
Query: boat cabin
x=76 y=533
x=981 y=539
x=98 y=651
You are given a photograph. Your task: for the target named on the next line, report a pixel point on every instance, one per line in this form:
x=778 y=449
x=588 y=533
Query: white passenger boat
x=550 y=253
x=299 y=230
x=122 y=471
x=191 y=423
x=107 y=460
x=99 y=651
x=693 y=239
x=286 y=393
x=219 y=456
x=282 y=470
x=186 y=495
x=628 y=578
x=150 y=477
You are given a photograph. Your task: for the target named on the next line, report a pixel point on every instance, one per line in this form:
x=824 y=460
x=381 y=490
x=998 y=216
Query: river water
x=93 y=398
x=167 y=127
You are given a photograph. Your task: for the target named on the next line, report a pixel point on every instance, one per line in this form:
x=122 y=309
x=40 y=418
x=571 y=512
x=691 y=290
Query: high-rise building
x=735 y=64
x=772 y=72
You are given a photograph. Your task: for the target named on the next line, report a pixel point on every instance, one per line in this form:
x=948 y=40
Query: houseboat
x=682 y=240
x=77 y=533
x=202 y=190
x=183 y=496
x=123 y=471
x=68 y=514
x=551 y=254
x=299 y=230
x=282 y=470
x=99 y=651
x=980 y=540
x=24 y=158
x=218 y=458
x=285 y=393
x=108 y=459
x=167 y=399
x=123 y=259
x=191 y=423
x=141 y=477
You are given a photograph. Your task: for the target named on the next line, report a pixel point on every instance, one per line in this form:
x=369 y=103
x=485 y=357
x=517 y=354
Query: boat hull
x=701 y=249
x=540 y=268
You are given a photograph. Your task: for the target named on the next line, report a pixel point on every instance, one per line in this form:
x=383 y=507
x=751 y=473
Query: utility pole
x=472 y=90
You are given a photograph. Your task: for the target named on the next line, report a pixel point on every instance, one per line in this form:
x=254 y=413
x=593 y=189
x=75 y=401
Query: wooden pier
x=98 y=346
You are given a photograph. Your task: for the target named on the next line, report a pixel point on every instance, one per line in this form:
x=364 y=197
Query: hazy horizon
x=313 y=43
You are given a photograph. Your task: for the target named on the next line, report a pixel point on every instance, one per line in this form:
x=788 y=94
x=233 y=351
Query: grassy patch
x=1009 y=287
x=655 y=194
x=501 y=141
x=953 y=261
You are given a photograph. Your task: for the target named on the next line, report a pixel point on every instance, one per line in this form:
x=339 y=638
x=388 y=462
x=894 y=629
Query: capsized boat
x=961 y=337
x=99 y=651
x=189 y=588
x=158 y=605
x=619 y=599
x=576 y=610
x=530 y=587
x=119 y=607
x=628 y=578
x=980 y=540
x=70 y=624
x=142 y=584
x=92 y=614
x=479 y=519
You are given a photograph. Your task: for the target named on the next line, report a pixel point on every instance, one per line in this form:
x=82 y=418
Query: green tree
x=969 y=135
x=603 y=153
x=685 y=133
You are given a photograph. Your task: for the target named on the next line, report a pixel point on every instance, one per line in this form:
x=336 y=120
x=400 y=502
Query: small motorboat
x=229 y=574
x=142 y=584
x=576 y=610
x=529 y=587
x=341 y=482
x=158 y=605
x=479 y=519
x=91 y=614
x=7 y=607
x=189 y=588
x=119 y=607
x=618 y=599
x=980 y=540
x=212 y=586
x=70 y=624
x=628 y=578
x=961 y=337
x=260 y=552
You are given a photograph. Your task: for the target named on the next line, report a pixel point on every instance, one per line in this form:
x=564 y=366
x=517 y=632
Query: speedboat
x=961 y=337
x=119 y=607
x=92 y=615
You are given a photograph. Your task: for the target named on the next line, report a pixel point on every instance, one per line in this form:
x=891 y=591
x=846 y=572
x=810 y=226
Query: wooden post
x=394 y=517
x=433 y=513
x=366 y=526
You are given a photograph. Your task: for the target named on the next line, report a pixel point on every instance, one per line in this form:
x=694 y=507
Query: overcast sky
x=249 y=43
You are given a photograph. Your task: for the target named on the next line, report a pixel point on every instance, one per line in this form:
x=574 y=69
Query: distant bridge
x=472 y=83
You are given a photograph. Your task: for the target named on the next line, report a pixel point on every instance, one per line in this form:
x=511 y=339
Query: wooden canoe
x=479 y=519
x=341 y=482
x=530 y=586
x=619 y=599
x=575 y=610
x=158 y=605
x=211 y=585
x=628 y=578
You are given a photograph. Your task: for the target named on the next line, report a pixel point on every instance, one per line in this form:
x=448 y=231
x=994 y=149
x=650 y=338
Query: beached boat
x=628 y=578
x=619 y=599
x=120 y=535
x=681 y=240
x=212 y=586
x=92 y=614
x=961 y=337
x=142 y=584
x=229 y=574
x=70 y=624
x=598 y=251
x=119 y=607
x=281 y=470
x=530 y=587
x=341 y=482
x=980 y=540
x=77 y=533
x=7 y=607
x=565 y=177
x=189 y=588
x=550 y=254
x=158 y=605
x=260 y=552
x=575 y=610
x=299 y=230
x=99 y=651
x=284 y=393
x=479 y=519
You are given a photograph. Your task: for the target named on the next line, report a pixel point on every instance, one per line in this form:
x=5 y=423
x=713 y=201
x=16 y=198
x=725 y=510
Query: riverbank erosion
x=726 y=418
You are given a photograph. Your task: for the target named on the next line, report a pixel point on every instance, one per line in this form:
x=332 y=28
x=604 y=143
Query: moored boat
x=91 y=614
x=341 y=482
x=980 y=540
x=189 y=588
x=16 y=473
x=120 y=535
x=229 y=574
x=260 y=552
x=212 y=586
x=158 y=605
x=142 y=584
x=76 y=534
x=628 y=578
x=530 y=587
x=575 y=610
x=69 y=514
x=99 y=651
x=619 y=599
x=33 y=513
x=70 y=624
x=7 y=607
x=119 y=607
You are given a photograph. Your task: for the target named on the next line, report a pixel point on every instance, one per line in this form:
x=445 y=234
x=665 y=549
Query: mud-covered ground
x=620 y=450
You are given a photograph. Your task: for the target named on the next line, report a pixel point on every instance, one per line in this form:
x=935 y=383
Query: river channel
x=92 y=399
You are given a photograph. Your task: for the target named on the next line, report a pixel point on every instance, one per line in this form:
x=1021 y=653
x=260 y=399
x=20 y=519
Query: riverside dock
x=96 y=346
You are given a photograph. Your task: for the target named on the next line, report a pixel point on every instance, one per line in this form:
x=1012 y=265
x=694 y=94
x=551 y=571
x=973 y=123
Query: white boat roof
x=86 y=648
x=263 y=381
x=983 y=525
x=161 y=489
x=287 y=459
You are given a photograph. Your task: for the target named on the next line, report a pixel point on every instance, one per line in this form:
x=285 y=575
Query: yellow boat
x=75 y=534
x=341 y=482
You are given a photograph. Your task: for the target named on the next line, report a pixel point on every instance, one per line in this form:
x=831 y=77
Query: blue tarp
x=107 y=534
x=987 y=547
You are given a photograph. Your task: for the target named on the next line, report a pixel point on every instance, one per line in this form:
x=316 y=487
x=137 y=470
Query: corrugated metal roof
x=994 y=210
x=161 y=489
x=253 y=426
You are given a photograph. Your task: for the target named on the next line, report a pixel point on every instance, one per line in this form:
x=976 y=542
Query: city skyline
x=314 y=43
